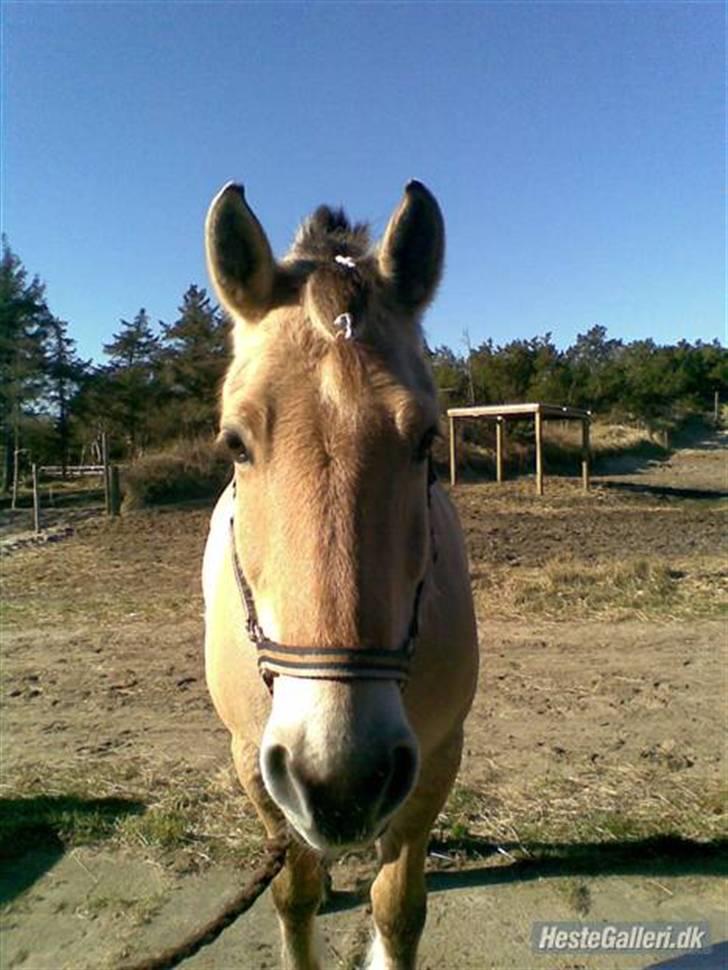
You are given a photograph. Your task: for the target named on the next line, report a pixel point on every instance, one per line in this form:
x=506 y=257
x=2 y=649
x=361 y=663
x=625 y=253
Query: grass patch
x=633 y=588
x=35 y=821
x=176 y=814
x=577 y=894
x=161 y=828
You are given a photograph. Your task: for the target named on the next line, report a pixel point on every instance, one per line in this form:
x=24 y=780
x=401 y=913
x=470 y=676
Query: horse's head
x=328 y=412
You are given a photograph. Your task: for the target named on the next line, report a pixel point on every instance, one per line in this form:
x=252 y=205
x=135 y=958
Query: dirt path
x=588 y=738
x=702 y=466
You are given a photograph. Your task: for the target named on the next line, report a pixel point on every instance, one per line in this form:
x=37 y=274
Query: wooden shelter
x=500 y=413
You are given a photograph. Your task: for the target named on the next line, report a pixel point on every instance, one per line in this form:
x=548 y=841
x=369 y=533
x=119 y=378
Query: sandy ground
x=618 y=717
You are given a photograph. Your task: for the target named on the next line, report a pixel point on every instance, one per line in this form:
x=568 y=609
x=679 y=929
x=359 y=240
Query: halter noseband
x=329 y=663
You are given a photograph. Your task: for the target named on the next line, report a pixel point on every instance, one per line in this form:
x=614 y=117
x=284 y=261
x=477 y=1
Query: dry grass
x=604 y=439
x=602 y=805
x=185 y=470
x=636 y=588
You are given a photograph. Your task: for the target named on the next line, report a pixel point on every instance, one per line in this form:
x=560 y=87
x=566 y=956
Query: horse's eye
x=423 y=448
x=233 y=443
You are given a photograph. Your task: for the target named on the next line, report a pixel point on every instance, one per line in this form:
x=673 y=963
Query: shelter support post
x=585 y=448
x=453 y=452
x=499 y=429
x=539 y=452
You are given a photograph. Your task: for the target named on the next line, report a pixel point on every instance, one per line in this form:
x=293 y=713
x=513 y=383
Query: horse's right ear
x=239 y=257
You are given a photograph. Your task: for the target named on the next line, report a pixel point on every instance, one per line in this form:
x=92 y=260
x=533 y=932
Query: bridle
x=330 y=663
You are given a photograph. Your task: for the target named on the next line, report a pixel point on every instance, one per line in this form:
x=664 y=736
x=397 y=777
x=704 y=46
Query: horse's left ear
x=413 y=248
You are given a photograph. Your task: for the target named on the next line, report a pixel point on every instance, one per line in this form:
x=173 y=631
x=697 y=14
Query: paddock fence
x=108 y=473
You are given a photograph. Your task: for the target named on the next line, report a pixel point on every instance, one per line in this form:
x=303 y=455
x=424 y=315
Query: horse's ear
x=413 y=248
x=239 y=257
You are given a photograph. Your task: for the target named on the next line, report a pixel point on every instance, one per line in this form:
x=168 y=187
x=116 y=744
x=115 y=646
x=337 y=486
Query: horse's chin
x=328 y=848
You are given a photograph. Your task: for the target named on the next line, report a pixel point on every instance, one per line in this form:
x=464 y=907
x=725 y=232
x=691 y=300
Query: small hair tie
x=345 y=261
x=345 y=323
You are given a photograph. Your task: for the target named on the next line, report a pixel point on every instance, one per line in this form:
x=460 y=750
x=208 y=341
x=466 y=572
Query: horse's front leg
x=399 y=894
x=297 y=892
x=298 y=888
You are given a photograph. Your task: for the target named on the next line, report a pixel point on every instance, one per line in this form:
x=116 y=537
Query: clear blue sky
x=577 y=150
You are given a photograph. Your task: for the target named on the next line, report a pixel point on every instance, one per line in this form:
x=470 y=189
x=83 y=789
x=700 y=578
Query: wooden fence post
x=36 y=500
x=499 y=428
x=453 y=452
x=114 y=491
x=105 y=463
x=539 y=452
x=585 y=454
x=16 y=458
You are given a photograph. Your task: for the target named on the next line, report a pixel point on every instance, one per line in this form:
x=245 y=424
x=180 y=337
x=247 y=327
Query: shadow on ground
x=654 y=857
x=714 y=959
x=36 y=831
x=662 y=491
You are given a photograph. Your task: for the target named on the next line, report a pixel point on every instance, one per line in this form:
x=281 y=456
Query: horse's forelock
x=328 y=233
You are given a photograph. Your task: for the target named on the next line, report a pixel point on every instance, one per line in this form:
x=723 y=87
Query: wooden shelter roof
x=517 y=410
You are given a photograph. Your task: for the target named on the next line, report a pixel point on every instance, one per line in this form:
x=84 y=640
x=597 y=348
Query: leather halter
x=330 y=663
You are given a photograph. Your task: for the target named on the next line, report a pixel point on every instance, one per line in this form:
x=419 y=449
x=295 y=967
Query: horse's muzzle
x=338 y=771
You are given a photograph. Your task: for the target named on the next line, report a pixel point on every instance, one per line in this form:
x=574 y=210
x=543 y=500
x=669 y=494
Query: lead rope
x=257 y=884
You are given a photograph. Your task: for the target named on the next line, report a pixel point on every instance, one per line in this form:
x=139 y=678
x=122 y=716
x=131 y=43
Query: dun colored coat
x=346 y=678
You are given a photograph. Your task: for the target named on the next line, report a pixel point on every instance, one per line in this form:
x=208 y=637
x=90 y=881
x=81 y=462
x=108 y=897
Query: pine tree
x=192 y=365
x=130 y=387
x=135 y=345
x=24 y=324
x=66 y=372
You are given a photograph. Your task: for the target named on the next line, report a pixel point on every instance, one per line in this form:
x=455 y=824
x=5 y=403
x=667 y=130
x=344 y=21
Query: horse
x=340 y=638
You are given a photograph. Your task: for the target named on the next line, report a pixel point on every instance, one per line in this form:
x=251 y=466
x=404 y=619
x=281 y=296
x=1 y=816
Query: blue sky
x=576 y=148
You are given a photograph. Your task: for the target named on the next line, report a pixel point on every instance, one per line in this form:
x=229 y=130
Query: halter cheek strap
x=328 y=663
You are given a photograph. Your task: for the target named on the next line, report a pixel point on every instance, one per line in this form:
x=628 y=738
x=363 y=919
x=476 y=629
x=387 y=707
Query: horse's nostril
x=275 y=760
x=402 y=775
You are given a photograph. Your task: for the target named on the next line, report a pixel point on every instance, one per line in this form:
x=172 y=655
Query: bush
x=185 y=470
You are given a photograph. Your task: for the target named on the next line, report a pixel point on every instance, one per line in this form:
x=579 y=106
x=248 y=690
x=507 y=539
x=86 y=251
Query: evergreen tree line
x=639 y=381
x=161 y=382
